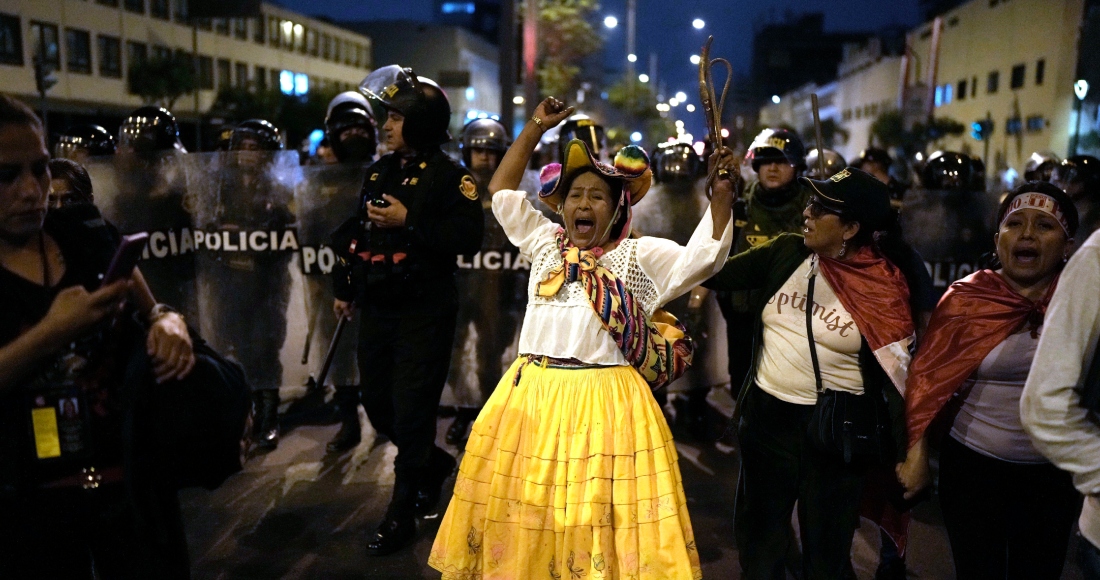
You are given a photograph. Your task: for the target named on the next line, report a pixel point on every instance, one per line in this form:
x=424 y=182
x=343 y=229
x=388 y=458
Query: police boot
x=267 y=407
x=347 y=407
x=440 y=466
x=398 y=528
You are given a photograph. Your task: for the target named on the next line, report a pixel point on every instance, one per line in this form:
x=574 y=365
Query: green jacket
x=764 y=269
x=762 y=222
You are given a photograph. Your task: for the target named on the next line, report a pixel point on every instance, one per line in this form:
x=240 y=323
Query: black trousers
x=59 y=533
x=1005 y=520
x=779 y=467
x=403 y=364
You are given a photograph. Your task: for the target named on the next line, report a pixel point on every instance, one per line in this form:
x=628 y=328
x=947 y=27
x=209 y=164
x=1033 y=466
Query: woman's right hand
x=343 y=309
x=552 y=112
x=914 y=474
x=75 y=310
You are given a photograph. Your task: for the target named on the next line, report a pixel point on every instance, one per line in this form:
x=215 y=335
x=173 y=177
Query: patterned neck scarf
x=658 y=347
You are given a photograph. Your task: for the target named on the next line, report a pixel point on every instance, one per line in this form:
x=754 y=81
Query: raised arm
x=509 y=173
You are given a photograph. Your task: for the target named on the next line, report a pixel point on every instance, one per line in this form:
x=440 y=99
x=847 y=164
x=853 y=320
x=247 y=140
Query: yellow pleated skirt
x=568 y=474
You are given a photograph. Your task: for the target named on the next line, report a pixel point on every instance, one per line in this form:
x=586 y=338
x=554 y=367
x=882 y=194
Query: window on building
x=287 y=29
x=258 y=30
x=221 y=26
x=242 y=75
x=261 y=78
x=240 y=28
x=137 y=6
x=1013 y=126
x=181 y=11
x=859 y=113
x=44 y=44
x=206 y=24
x=78 y=51
x=457 y=8
x=973 y=87
x=136 y=52
x=962 y=90
x=112 y=3
x=273 y=33
x=273 y=76
x=326 y=46
x=356 y=53
x=110 y=56
x=160 y=9
x=1036 y=123
x=206 y=72
x=992 y=82
x=938 y=99
x=337 y=46
x=1040 y=69
x=11 y=40
x=225 y=78
x=349 y=52
x=161 y=52
x=300 y=38
x=1018 y=73
x=311 y=42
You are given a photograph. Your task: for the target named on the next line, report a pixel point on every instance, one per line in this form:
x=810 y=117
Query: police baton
x=331 y=354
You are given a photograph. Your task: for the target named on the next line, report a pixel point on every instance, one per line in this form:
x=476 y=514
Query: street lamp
x=681 y=96
x=635 y=136
x=698 y=23
x=643 y=78
x=610 y=22
x=632 y=57
x=775 y=99
x=695 y=59
x=690 y=108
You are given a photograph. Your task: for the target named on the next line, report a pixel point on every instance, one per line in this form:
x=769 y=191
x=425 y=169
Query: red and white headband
x=1041 y=202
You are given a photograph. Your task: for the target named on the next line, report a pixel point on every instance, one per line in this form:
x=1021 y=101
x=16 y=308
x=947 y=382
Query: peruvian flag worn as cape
x=875 y=293
x=975 y=315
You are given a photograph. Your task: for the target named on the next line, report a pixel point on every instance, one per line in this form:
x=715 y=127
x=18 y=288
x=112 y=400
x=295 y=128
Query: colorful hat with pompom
x=631 y=166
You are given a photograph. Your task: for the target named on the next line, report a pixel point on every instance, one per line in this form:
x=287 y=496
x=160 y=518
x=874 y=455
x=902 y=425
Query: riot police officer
x=490 y=291
x=877 y=162
x=352 y=133
x=417 y=212
x=247 y=292
x=151 y=197
x=1040 y=165
x=1079 y=176
x=80 y=142
x=583 y=127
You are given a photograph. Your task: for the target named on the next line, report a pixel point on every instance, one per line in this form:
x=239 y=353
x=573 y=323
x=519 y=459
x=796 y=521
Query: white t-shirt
x=786 y=370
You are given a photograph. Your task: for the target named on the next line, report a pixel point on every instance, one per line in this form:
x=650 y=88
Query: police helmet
x=266 y=135
x=422 y=102
x=483 y=134
x=677 y=162
x=1040 y=165
x=873 y=155
x=586 y=129
x=149 y=129
x=949 y=171
x=977 y=174
x=92 y=139
x=1078 y=175
x=834 y=162
x=776 y=145
x=348 y=110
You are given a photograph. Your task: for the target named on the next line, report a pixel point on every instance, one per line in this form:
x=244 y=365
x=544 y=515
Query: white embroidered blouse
x=655 y=270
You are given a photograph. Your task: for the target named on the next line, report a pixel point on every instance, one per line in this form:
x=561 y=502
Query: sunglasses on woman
x=818 y=209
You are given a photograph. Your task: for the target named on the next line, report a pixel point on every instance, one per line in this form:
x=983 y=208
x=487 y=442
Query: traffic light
x=44 y=79
x=981 y=130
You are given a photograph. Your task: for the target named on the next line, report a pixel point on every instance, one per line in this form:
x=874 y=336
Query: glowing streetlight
x=610 y=22
x=681 y=96
x=775 y=99
x=695 y=59
x=644 y=78
x=632 y=57
x=517 y=100
x=690 y=108
x=635 y=136
x=698 y=23
x=674 y=102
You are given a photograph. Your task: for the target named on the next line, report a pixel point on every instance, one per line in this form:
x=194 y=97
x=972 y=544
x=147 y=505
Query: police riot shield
x=326 y=195
x=244 y=236
x=149 y=194
x=952 y=231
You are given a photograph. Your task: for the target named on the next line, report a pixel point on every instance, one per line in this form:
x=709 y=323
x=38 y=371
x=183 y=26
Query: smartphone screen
x=126 y=258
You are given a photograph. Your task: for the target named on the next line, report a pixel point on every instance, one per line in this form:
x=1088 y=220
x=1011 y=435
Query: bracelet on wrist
x=536 y=120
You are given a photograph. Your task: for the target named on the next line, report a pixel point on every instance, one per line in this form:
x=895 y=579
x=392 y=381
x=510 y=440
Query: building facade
x=91 y=44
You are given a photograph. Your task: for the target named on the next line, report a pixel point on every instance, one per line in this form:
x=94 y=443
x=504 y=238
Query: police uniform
x=403 y=282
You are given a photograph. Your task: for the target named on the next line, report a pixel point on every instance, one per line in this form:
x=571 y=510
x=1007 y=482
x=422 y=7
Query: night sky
x=664 y=27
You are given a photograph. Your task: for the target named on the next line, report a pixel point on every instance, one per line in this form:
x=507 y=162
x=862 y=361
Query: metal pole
x=631 y=15
x=198 y=82
x=933 y=65
x=508 y=64
x=530 y=56
x=817 y=135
